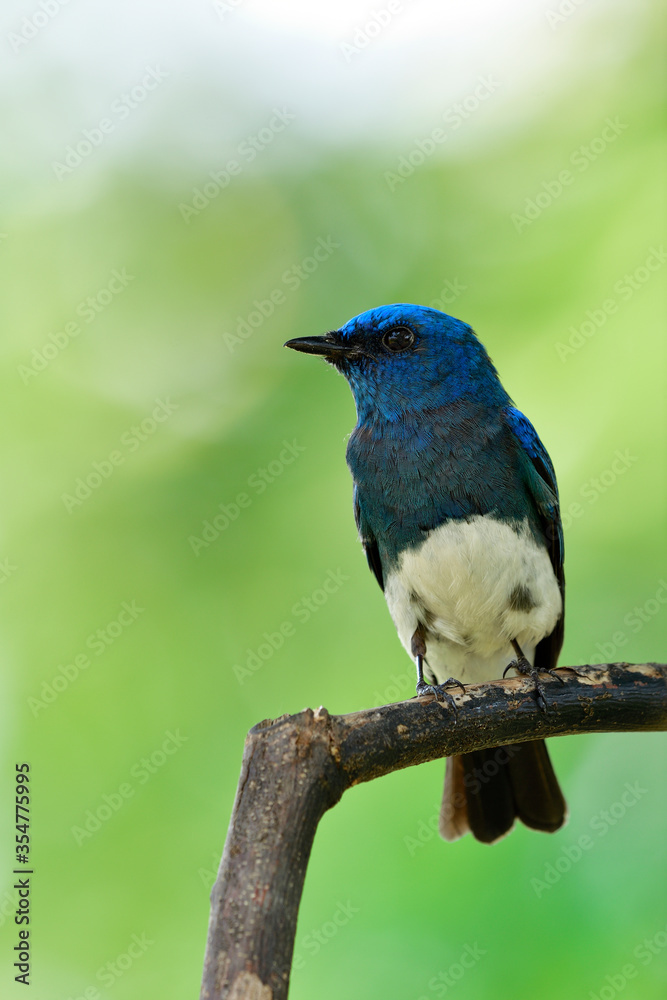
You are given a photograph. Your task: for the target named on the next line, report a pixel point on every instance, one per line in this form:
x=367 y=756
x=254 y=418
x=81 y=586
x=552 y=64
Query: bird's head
x=402 y=359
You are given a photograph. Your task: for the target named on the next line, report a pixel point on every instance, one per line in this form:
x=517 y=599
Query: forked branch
x=298 y=766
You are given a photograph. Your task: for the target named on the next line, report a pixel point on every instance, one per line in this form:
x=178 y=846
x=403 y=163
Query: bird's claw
x=453 y=682
x=525 y=668
x=439 y=692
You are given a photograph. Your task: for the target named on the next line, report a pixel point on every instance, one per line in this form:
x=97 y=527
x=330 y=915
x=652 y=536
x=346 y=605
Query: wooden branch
x=298 y=766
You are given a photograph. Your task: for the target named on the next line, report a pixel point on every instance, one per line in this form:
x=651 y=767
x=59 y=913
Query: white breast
x=475 y=585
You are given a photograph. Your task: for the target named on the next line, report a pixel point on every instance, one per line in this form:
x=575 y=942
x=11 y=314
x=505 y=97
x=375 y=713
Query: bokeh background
x=168 y=171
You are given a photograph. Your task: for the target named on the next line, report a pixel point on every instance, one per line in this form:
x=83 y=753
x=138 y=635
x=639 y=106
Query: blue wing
x=541 y=483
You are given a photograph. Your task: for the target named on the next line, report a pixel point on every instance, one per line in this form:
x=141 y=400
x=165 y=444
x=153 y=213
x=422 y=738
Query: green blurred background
x=144 y=723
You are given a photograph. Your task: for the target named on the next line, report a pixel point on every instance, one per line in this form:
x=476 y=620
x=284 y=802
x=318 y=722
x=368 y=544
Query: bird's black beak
x=326 y=347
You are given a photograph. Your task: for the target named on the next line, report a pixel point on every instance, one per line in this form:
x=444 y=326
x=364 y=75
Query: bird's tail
x=486 y=790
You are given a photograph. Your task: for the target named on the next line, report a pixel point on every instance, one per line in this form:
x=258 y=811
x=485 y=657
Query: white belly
x=474 y=585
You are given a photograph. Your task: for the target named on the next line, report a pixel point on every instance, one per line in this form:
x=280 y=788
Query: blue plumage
x=456 y=503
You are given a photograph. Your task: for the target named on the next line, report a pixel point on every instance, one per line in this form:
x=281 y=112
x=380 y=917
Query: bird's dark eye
x=398 y=339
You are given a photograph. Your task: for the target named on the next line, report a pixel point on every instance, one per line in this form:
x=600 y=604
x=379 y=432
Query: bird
x=456 y=506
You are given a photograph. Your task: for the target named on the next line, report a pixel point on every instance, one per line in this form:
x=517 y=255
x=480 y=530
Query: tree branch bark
x=298 y=766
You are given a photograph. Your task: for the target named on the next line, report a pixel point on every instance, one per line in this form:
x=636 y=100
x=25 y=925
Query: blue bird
x=456 y=504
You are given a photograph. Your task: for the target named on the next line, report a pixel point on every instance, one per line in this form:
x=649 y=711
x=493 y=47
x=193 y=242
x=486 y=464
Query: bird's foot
x=423 y=687
x=525 y=668
x=439 y=691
